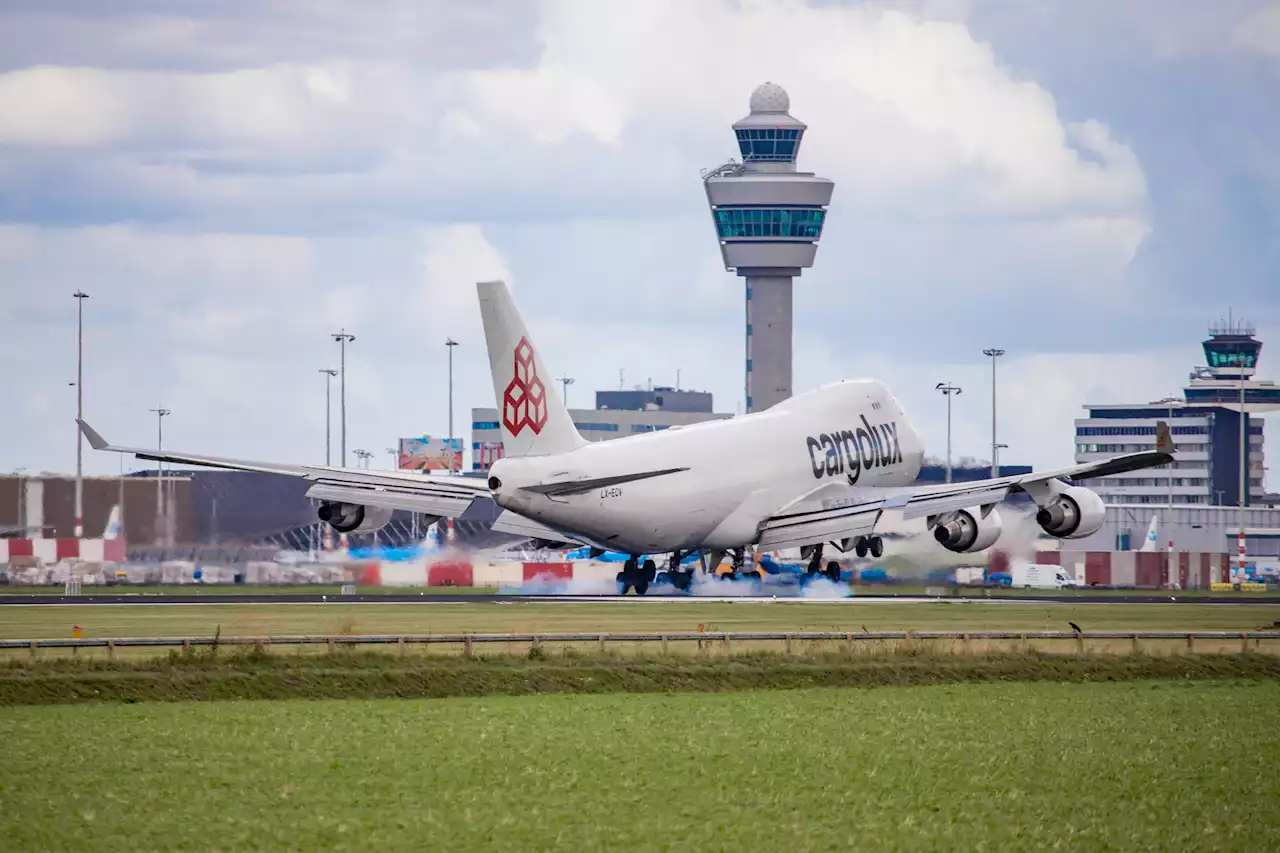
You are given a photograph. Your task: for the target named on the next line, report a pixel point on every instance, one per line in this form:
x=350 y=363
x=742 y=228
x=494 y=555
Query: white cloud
x=906 y=114
x=384 y=184
x=1260 y=32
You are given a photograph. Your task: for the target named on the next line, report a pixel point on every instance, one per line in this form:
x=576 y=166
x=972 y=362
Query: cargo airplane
x=817 y=470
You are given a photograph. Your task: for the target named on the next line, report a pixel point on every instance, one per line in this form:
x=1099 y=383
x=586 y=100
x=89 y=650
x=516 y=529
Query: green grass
x=248 y=674
x=1156 y=766
x=35 y=621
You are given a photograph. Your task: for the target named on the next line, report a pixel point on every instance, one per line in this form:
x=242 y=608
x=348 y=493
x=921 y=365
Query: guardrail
x=725 y=638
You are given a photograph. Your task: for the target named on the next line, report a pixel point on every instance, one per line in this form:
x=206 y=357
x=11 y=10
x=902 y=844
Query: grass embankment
x=35 y=622
x=1151 y=766
x=353 y=675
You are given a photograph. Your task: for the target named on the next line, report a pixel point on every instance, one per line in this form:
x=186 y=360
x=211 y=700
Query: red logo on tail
x=524 y=403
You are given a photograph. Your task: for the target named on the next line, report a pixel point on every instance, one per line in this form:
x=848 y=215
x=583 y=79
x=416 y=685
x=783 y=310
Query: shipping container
x=1097 y=568
x=555 y=570
x=1122 y=568
x=1151 y=569
x=450 y=573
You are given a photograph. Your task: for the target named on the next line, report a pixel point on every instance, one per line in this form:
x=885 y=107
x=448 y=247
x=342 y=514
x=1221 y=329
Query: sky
x=1085 y=184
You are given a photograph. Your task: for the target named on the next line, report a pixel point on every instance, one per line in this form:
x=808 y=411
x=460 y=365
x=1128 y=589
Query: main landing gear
x=873 y=545
x=635 y=575
x=674 y=574
x=832 y=572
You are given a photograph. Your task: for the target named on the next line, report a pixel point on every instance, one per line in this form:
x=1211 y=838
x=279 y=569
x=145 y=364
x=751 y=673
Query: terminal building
x=1199 y=502
x=617 y=413
x=1206 y=423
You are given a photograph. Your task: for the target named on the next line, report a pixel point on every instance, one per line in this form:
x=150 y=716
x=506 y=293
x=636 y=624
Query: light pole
x=160 y=514
x=80 y=297
x=343 y=339
x=450 y=343
x=328 y=419
x=1244 y=484
x=363 y=456
x=565 y=382
x=993 y=354
x=948 y=389
x=395 y=458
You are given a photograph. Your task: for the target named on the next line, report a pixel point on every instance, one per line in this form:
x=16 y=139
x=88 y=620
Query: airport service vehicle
x=1039 y=576
x=816 y=470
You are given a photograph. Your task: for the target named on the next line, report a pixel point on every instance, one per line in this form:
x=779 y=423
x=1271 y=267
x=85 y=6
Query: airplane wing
x=836 y=511
x=433 y=495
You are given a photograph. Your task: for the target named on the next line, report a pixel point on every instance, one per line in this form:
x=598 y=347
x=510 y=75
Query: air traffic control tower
x=768 y=219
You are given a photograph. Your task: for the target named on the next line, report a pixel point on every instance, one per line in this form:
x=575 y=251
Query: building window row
x=1141 y=430
x=485 y=424
x=597 y=427
x=647 y=427
x=776 y=144
x=796 y=222
x=1136 y=448
x=1117 y=500
x=1231 y=358
x=1157 y=481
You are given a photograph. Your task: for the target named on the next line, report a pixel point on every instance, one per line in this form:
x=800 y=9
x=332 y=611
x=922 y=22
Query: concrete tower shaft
x=768 y=220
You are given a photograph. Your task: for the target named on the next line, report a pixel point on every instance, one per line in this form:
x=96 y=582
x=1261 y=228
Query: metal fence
x=726 y=639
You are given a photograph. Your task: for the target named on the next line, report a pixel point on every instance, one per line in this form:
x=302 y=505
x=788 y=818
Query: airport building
x=1206 y=422
x=768 y=219
x=1198 y=501
x=617 y=413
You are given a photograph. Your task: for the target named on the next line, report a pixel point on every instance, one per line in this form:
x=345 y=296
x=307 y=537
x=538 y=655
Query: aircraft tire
x=663 y=578
x=833 y=572
x=642 y=587
x=860 y=547
x=876 y=547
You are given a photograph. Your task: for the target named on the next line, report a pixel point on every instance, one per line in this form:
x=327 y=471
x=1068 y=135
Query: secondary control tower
x=768 y=219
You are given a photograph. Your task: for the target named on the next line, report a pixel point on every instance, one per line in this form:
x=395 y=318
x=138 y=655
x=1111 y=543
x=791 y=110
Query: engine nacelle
x=354 y=518
x=1072 y=514
x=966 y=531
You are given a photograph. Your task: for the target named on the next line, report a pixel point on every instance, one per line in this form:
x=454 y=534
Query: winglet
x=1164 y=438
x=96 y=441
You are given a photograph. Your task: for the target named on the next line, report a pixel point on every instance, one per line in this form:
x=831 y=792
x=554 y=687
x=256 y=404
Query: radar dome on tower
x=770 y=98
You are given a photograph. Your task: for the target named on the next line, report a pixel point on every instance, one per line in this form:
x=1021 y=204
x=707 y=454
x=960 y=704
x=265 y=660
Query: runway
x=135 y=599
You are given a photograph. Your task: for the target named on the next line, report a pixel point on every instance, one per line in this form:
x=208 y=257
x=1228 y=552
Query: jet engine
x=1072 y=514
x=354 y=518
x=966 y=531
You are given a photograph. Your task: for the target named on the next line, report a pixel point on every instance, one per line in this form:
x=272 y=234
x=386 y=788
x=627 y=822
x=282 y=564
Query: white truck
x=1040 y=576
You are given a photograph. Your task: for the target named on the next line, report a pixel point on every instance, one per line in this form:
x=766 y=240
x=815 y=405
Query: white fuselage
x=739 y=471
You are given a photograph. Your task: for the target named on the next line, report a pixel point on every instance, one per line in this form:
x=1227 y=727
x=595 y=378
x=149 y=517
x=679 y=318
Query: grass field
x=33 y=622
x=248 y=674
x=1159 y=766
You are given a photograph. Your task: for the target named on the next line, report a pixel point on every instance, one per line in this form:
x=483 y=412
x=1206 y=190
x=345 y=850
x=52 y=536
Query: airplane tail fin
x=112 y=530
x=534 y=419
x=1152 y=532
